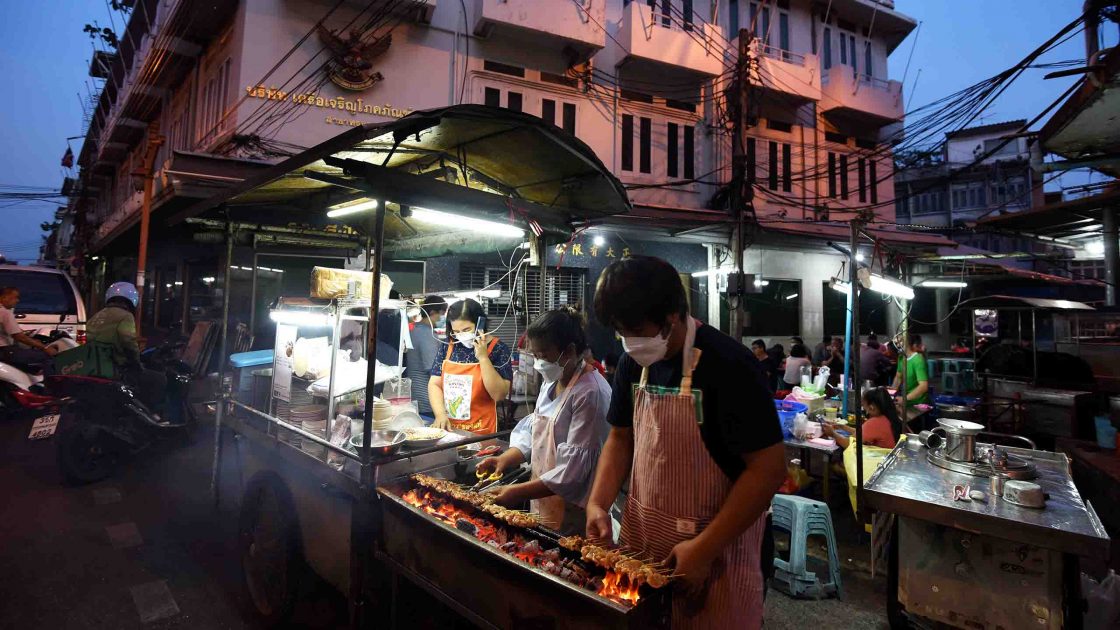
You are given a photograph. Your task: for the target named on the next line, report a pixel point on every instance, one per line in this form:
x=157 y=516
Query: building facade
x=643 y=83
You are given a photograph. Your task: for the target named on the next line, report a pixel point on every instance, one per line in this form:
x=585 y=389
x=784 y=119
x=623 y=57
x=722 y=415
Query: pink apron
x=676 y=489
x=555 y=513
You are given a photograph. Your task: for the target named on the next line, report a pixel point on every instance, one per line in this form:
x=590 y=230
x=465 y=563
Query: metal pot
x=960 y=439
x=381 y=443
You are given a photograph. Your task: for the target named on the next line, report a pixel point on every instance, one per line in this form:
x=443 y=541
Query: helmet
x=126 y=290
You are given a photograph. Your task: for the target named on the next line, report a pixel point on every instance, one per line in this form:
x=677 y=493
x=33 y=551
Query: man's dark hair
x=799 y=351
x=915 y=340
x=758 y=343
x=467 y=309
x=560 y=328
x=433 y=305
x=638 y=290
x=797 y=340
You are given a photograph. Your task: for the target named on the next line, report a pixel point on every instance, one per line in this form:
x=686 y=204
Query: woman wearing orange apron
x=471 y=375
x=695 y=431
x=562 y=438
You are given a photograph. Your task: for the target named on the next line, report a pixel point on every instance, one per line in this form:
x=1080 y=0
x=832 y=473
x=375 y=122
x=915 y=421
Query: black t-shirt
x=739 y=414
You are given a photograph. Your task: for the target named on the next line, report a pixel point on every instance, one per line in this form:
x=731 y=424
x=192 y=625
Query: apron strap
x=690 y=357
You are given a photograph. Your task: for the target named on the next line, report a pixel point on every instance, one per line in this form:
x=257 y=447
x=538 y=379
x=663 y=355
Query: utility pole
x=155 y=140
x=741 y=192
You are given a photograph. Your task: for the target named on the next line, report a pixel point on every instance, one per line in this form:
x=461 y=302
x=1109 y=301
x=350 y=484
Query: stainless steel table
x=908 y=485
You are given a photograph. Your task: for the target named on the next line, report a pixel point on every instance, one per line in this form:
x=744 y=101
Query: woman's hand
x=441 y=422
x=491 y=465
x=481 y=351
x=828 y=429
x=506 y=496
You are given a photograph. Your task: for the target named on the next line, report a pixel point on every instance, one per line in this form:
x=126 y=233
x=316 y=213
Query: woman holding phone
x=471 y=373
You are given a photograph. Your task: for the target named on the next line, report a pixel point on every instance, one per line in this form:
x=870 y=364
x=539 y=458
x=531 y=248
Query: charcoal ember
x=533 y=546
x=464 y=525
x=508 y=547
x=594 y=585
x=492 y=543
x=552 y=554
x=551 y=567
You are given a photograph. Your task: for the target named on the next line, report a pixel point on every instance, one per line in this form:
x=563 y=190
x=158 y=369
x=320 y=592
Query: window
x=832 y=174
x=872 y=311
x=838 y=138
x=627 y=142
x=861 y=174
x=493 y=97
x=783 y=34
x=666 y=13
x=874 y=181
x=681 y=105
x=559 y=79
x=645 y=141
x=671 y=149
x=787 y=169
x=689 y=152
x=548 y=110
x=733 y=17
x=776 y=311
x=494 y=66
x=826 y=48
x=686 y=10
x=213 y=103
x=843 y=176
x=513 y=101
x=1007 y=150
x=852 y=50
x=760 y=23
x=569 y=123
x=778 y=125
x=773 y=166
x=751 y=161
x=843 y=49
x=41 y=293
x=867 y=59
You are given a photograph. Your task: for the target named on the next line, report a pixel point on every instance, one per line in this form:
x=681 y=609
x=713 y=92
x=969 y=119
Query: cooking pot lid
x=963 y=427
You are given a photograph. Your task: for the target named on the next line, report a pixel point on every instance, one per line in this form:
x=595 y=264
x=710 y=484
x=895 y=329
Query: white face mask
x=646 y=350
x=550 y=371
x=466 y=338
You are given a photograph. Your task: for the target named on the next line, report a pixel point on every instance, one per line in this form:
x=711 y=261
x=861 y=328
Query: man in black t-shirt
x=694 y=426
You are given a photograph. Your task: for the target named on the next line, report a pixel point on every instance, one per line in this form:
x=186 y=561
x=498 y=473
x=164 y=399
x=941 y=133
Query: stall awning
x=1026 y=303
x=477 y=161
x=1065 y=219
x=840 y=232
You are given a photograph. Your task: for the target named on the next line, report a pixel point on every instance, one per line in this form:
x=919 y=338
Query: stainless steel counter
x=908 y=485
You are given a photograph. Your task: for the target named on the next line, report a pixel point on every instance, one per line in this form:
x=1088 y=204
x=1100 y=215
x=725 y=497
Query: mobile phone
x=480 y=327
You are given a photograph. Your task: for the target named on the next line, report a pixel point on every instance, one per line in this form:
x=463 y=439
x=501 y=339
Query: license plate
x=44 y=427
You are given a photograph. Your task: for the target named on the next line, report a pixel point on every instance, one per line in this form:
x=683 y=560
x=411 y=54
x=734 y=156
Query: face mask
x=550 y=371
x=441 y=322
x=646 y=350
x=466 y=338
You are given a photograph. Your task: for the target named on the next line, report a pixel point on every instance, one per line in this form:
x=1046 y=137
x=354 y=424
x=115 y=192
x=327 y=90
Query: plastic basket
x=787 y=411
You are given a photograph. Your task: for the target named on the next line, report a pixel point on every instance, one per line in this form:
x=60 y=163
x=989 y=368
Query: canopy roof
x=471 y=160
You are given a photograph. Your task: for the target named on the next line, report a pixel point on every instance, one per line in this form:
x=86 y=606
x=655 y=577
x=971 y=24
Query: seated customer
x=798 y=357
x=882 y=426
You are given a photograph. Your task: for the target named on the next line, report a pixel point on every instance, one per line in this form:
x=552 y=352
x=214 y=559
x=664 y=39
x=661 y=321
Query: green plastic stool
x=802 y=518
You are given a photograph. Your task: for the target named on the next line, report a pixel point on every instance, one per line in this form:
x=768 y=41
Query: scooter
x=21 y=384
x=105 y=421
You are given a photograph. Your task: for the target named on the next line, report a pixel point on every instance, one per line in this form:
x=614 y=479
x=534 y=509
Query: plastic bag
x=822 y=379
x=1103 y=601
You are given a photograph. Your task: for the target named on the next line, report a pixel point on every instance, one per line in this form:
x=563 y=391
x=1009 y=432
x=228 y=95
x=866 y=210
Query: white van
x=48 y=300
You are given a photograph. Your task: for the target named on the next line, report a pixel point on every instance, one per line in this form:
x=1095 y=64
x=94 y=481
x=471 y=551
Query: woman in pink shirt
x=882 y=426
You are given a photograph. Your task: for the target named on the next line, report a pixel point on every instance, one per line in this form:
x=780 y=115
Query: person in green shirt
x=115 y=327
x=917 y=377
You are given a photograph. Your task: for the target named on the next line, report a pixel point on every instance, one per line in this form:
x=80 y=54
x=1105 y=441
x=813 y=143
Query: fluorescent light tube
x=300 y=318
x=483 y=226
x=790 y=297
x=943 y=284
x=351 y=207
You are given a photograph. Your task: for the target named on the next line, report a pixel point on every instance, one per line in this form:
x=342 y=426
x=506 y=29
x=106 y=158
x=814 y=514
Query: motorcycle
x=105 y=420
x=22 y=384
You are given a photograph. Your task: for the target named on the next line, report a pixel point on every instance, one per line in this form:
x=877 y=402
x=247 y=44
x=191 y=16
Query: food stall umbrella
x=470 y=161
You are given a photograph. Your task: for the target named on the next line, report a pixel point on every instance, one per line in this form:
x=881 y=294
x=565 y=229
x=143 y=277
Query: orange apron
x=468 y=405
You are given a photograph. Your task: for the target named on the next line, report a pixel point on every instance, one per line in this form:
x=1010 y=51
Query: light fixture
x=1095 y=248
x=352 y=207
x=943 y=284
x=859 y=256
x=168 y=285
x=758 y=282
x=711 y=272
x=599 y=241
x=841 y=286
x=300 y=318
x=467 y=223
x=484 y=293
x=178 y=283
x=208 y=279
x=99 y=258
x=884 y=285
x=791 y=296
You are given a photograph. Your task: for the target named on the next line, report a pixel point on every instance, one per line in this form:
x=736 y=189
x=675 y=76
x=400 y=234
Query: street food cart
x=365 y=513
x=985 y=536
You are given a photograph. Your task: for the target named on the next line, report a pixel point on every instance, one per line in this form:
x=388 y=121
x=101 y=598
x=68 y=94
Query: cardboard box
x=328 y=283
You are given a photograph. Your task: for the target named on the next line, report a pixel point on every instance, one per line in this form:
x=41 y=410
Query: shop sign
x=282 y=363
x=351 y=68
x=337 y=103
x=578 y=250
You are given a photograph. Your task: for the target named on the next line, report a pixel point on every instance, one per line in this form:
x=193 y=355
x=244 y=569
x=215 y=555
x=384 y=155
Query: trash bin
x=243 y=363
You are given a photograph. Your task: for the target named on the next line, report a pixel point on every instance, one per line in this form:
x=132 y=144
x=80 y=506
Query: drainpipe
x=1111 y=255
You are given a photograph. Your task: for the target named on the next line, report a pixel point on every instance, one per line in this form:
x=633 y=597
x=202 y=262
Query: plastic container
x=1106 y=436
x=787 y=412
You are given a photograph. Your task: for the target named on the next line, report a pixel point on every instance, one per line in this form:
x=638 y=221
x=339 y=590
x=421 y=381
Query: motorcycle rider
x=114 y=326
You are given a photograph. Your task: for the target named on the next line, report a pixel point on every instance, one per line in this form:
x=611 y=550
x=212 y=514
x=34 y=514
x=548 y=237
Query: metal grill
x=564 y=287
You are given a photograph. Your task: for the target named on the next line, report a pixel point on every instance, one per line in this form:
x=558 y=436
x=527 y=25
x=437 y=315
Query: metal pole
x=850 y=363
x=847 y=332
x=737 y=198
x=361 y=526
x=223 y=390
x=1111 y=255
x=154 y=142
x=1034 y=343
x=543 y=289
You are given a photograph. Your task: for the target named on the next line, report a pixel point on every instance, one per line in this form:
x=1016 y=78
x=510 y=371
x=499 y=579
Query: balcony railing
x=774 y=52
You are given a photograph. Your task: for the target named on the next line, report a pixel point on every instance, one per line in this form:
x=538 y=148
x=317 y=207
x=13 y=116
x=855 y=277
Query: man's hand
x=506 y=496
x=690 y=564
x=598 y=524
x=491 y=464
x=50 y=350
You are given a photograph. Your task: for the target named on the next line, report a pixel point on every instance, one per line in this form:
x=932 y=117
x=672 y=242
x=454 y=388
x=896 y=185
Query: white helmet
x=126 y=290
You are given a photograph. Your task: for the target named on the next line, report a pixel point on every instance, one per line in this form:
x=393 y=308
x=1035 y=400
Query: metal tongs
x=484 y=479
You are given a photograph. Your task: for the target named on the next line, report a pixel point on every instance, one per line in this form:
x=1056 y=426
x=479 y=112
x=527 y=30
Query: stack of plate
x=317 y=428
x=382 y=415
x=306 y=417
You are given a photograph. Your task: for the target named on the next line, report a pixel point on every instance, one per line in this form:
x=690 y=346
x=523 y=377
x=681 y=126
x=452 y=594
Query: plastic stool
x=802 y=518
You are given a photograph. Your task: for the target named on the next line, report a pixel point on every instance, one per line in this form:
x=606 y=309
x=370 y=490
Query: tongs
x=484 y=479
x=501 y=480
